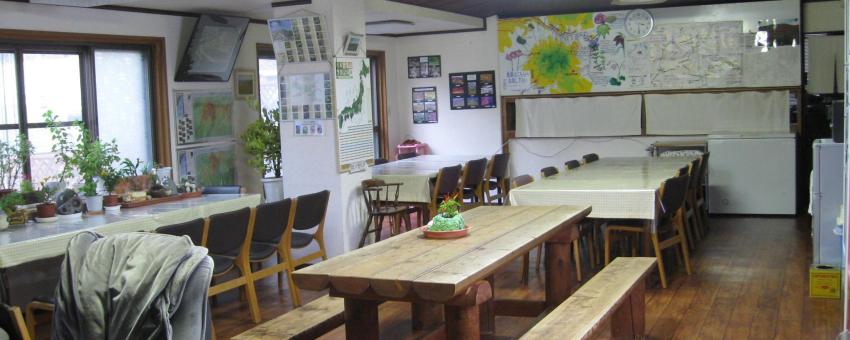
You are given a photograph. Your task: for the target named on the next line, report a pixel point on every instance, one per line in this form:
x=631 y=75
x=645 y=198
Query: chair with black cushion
x=701 y=205
x=472 y=183
x=194 y=229
x=407 y=155
x=670 y=230
x=229 y=242
x=12 y=323
x=692 y=216
x=496 y=178
x=548 y=171
x=379 y=161
x=572 y=164
x=521 y=180
x=446 y=184
x=590 y=158
x=222 y=189
x=309 y=214
x=382 y=202
x=270 y=223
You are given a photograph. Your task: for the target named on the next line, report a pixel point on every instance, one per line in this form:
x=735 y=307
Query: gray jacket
x=126 y=286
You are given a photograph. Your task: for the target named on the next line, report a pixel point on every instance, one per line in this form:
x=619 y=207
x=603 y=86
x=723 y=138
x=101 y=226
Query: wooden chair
x=382 y=202
x=572 y=164
x=229 y=242
x=702 y=207
x=692 y=216
x=407 y=155
x=446 y=184
x=195 y=229
x=521 y=180
x=548 y=171
x=41 y=303
x=472 y=183
x=590 y=158
x=12 y=322
x=496 y=178
x=271 y=220
x=309 y=214
x=670 y=230
x=222 y=189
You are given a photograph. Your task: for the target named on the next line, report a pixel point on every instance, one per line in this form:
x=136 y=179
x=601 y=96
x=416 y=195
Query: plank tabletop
x=409 y=265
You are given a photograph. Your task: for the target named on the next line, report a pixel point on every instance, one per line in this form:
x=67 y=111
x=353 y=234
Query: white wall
x=176 y=31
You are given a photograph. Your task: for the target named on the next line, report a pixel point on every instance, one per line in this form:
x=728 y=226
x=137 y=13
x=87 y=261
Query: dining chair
x=12 y=322
x=195 y=229
x=496 y=178
x=382 y=202
x=692 y=216
x=222 y=189
x=521 y=180
x=229 y=237
x=472 y=183
x=670 y=228
x=572 y=164
x=701 y=204
x=407 y=155
x=271 y=220
x=590 y=158
x=446 y=184
x=308 y=225
x=379 y=161
x=548 y=171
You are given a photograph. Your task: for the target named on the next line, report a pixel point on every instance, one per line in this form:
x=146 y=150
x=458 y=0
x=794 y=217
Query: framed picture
x=212 y=49
x=472 y=90
x=423 y=67
x=352 y=44
x=424 y=105
x=245 y=84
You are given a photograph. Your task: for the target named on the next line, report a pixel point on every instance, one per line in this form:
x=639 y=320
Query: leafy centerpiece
x=449 y=222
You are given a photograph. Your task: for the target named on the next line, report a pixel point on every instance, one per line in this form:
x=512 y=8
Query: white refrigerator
x=826 y=198
x=752 y=174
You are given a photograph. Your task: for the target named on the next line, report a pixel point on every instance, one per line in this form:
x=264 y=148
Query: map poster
x=472 y=90
x=210 y=165
x=353 y=95
x=424 y=105
x=423 y=67
x=306 y=96
x=299 y=39
x=203 y=116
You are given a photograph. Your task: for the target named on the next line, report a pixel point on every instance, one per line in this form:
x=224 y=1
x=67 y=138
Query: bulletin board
x=472 y=90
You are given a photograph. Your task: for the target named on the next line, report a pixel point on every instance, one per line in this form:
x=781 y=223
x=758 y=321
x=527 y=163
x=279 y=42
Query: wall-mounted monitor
x=212 y=49
x=352 y=44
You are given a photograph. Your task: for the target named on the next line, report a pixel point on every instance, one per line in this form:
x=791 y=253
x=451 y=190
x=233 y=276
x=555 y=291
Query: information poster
x=473 y=90
x=308 y=128
x=306 y=96
x=355 y=140
x=203 y=116
x=424 y=105
x=423 y=67
x=299 y=40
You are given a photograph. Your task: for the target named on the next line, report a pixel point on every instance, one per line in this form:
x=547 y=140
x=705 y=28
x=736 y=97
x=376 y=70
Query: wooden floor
x=750 y=282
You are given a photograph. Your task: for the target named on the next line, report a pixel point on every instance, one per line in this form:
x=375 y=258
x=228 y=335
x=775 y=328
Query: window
x=106 y=87
x=267 y=70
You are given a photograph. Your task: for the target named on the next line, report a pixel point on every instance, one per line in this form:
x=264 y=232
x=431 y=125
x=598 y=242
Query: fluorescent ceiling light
x=636 y=2
x=390 y=22
x=79 y=3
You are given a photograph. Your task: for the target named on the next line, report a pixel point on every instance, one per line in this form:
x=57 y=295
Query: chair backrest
x=473 y=172
x=672 y=194
x=572 y=164
x=591 y=157
x=683 y=171
x=194 y=229
x=227 y=232
x=12 y=322
x=521 y=180
x=223 y=189
x=703 y=168
x=500 y=163
x=379 y=161
x=447 y=181
x=407 y=155
x=548 y=171
x=310 y=210
x=694 y=173
x=270 y=221
x=379 y=194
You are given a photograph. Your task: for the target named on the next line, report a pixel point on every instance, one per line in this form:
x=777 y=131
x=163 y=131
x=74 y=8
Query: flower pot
x=111 y=200
x=46 y=210
x=139 y=183
x=18 y=217
x=94 y=204
x=273 y=189
x=4 y=223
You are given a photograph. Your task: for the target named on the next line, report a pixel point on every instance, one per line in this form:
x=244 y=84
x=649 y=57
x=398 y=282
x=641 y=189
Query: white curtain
x=579 y=117
x=707 y=113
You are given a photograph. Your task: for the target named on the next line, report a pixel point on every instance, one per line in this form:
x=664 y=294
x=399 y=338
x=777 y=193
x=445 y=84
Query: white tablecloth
x=414 y=174
x=616 y=188
x=34 y=241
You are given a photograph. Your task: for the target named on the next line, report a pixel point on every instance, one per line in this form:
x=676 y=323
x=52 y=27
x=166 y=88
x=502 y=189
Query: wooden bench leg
x=488 y=313
x=463 y=315
x=558 y=266
x=628 y=321
x=361 y=319
x=425 y=315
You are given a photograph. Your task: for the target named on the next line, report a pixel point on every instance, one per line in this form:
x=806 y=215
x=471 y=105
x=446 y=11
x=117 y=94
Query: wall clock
x=639 y=23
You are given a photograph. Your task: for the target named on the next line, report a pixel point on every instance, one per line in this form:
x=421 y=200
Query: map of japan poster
x=353 y=89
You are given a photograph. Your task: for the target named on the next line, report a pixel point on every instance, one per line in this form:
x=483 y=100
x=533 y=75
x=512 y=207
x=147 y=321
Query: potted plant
x=110 y=177
x=262 y=142
x=13 y=156
x=30 y=195
x=449 y=222
x=11 y=215
x=46 y=210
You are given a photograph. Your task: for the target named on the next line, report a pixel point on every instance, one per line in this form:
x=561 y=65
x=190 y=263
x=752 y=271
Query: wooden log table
x=451 y=276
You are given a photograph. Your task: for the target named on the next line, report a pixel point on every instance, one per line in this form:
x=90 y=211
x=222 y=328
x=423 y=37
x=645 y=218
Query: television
x=212 y=49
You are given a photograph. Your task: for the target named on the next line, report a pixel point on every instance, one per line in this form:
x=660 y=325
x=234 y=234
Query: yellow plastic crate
x=824 y=282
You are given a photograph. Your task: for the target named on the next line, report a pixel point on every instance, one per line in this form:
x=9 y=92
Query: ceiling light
x=636 y=2
x=390 y=22
x=79 y=3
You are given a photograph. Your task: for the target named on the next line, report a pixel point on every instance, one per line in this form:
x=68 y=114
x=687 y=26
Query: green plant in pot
x=30 y=194
x=8 y=204
x=448 y=216
x=111 y=177
x=47 y=208
x=262 y=142
x=13 y=156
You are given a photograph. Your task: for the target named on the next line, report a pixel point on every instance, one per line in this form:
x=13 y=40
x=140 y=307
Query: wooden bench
x=307 y=322
x=616 y=293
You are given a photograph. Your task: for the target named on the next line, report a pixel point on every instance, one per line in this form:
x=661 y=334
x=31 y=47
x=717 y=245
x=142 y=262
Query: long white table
x=415 y=173
x=616 y=188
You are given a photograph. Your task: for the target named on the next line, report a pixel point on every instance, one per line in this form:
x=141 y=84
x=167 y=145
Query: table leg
x=425 y=315
x=361 y=319
x=628 y=321
x=488 y=313
x=558 y=264
x=647 y=248
x=463 y=312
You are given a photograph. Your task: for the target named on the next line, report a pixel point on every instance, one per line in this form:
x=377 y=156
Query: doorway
x=377 y=62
